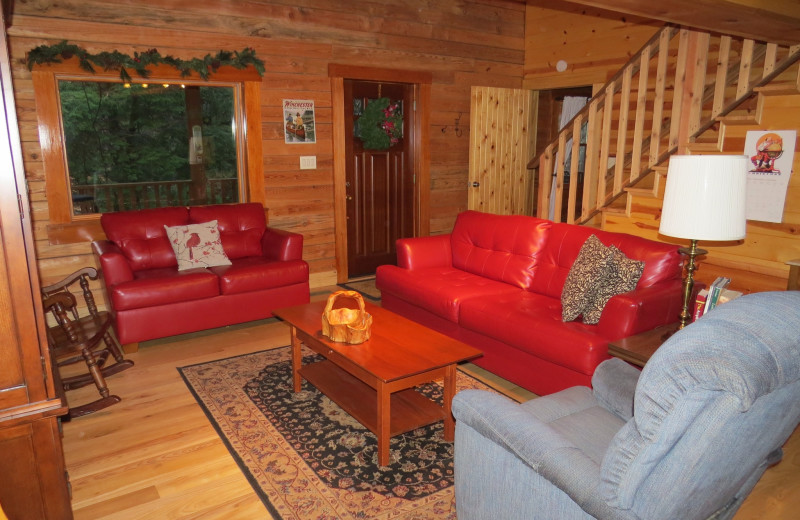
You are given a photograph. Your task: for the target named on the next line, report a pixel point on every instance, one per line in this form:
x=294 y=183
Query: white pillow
x=197 y=245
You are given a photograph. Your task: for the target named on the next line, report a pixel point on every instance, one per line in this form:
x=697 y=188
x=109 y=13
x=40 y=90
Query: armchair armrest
x=277 y=244
x=535 y=443
x=642 y=309
x=113 y=264
x=424 y=252
x=613 y=385
x=503 y=422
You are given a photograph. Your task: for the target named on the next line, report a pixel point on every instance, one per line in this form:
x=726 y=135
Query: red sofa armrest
x=643 y=309
x=280 y=245
x=424 y=252
x=113 y=264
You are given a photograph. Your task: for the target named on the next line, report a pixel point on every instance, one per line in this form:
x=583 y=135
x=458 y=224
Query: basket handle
x=355 y=295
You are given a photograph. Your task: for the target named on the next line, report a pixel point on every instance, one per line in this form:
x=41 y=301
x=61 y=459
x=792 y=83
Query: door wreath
x=381 y=124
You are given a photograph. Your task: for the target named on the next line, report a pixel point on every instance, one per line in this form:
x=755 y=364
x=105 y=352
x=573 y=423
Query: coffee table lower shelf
x=409 y=408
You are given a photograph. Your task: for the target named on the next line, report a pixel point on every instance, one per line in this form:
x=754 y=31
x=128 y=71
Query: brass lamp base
x=688 y=282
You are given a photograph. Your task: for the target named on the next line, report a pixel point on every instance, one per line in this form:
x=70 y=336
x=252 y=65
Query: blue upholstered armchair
x=686 y=438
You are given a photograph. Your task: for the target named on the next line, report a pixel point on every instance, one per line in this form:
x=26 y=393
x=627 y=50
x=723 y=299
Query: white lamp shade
x=705 y=197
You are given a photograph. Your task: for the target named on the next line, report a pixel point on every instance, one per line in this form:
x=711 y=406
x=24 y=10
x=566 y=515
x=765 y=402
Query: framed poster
x=298 y=121
x=771 y=153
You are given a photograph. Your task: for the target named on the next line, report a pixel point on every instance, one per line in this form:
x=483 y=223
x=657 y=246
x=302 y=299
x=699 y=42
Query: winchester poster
x=298 y=120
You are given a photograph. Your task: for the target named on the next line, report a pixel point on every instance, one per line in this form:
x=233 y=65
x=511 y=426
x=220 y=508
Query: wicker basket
x=344 y=324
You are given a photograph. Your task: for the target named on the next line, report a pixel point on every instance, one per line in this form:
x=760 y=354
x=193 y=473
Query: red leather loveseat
x=151 y=298
x=496 y=283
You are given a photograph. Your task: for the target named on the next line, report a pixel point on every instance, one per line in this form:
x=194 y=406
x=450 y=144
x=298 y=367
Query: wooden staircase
x=685 y=92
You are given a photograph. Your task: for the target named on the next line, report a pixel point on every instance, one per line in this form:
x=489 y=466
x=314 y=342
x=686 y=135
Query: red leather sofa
x=495 y=282
x=150 y=298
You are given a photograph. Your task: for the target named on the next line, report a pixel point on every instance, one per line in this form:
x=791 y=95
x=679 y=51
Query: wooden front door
x=379 y=182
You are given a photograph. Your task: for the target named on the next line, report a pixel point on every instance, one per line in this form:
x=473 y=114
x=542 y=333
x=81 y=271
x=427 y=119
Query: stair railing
x=667 y=94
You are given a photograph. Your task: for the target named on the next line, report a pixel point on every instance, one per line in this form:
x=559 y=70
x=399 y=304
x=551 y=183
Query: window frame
x=66 y=228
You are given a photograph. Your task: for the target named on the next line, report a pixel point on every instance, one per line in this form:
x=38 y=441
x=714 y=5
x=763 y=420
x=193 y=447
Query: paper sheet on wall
x=771 y=154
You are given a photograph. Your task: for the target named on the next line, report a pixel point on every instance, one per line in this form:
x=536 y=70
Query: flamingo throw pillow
x=197 y=245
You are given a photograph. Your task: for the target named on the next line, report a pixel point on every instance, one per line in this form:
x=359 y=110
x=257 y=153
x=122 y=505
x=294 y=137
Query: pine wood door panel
x=502 y=133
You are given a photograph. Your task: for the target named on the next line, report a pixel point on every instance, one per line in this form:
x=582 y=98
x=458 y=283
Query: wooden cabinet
x=33 y=481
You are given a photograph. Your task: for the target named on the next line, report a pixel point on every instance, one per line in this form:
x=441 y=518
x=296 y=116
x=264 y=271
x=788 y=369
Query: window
x=164 y=141
x=139 y=145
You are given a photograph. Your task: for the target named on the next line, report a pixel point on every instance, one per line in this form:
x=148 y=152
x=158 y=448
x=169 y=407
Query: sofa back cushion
x=141 y=235
x=241 y=226
x=662 y=261
x=505 y=248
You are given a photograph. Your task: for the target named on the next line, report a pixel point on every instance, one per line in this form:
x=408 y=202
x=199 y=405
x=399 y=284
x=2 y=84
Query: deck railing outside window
x=155 y=194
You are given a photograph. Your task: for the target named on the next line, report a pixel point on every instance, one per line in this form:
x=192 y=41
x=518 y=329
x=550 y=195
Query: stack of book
x=716 y=294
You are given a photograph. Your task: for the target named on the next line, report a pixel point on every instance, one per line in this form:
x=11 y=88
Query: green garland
x=381 y=124
x=140 y=61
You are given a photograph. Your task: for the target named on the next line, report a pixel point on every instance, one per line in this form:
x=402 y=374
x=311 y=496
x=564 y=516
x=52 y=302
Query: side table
x=794 y=275
x=638 y=348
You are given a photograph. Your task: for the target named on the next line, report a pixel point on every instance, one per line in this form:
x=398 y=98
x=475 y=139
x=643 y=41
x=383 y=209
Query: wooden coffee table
x=374 y=381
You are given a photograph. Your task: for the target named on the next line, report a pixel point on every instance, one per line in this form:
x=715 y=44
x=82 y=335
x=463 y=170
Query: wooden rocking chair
x=85 y=339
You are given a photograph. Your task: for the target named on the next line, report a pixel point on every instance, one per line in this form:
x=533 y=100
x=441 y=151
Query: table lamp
x=704 y=200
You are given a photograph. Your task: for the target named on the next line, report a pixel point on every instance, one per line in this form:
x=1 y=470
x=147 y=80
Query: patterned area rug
x=307 y=458
x=365 y=287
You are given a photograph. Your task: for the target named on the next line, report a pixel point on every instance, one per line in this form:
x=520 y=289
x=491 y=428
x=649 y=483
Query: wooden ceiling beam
x=777 y=21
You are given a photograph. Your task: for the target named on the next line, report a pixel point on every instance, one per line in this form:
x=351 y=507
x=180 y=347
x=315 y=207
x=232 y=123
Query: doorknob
x=475 y=184
x=349 y=197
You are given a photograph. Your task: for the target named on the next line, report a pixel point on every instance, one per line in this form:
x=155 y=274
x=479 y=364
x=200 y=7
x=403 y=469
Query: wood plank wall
x=592 y=42
x=462 y=42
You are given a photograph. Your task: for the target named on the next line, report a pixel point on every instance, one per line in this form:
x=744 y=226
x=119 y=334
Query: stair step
x=779 y=89
x=641 y=192
x=615 y=210
x=709 y=137
x=700 y=148
x=736 y=119
x=649 y=208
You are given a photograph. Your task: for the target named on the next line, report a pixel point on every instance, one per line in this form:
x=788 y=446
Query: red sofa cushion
x=505 y=248
x=241 y=226
x=440 y=290
x=532 y=323
x=258 y=273
x=164 y=286
x=141 y=237
x=662 y=261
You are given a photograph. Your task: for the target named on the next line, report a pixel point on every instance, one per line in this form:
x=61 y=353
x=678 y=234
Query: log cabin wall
x=461 y=42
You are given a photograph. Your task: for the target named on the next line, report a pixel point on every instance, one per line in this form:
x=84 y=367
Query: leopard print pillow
x=584 y=275
x=621 y=276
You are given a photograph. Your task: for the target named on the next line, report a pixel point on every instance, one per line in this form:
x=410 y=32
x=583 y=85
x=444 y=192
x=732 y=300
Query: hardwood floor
x=155 y=455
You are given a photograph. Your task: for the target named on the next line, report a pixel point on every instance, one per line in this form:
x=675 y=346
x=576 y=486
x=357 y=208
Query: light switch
x=308 y=162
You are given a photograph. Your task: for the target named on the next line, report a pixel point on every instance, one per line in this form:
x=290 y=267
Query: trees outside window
x=114 y=145
x=138 y=145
